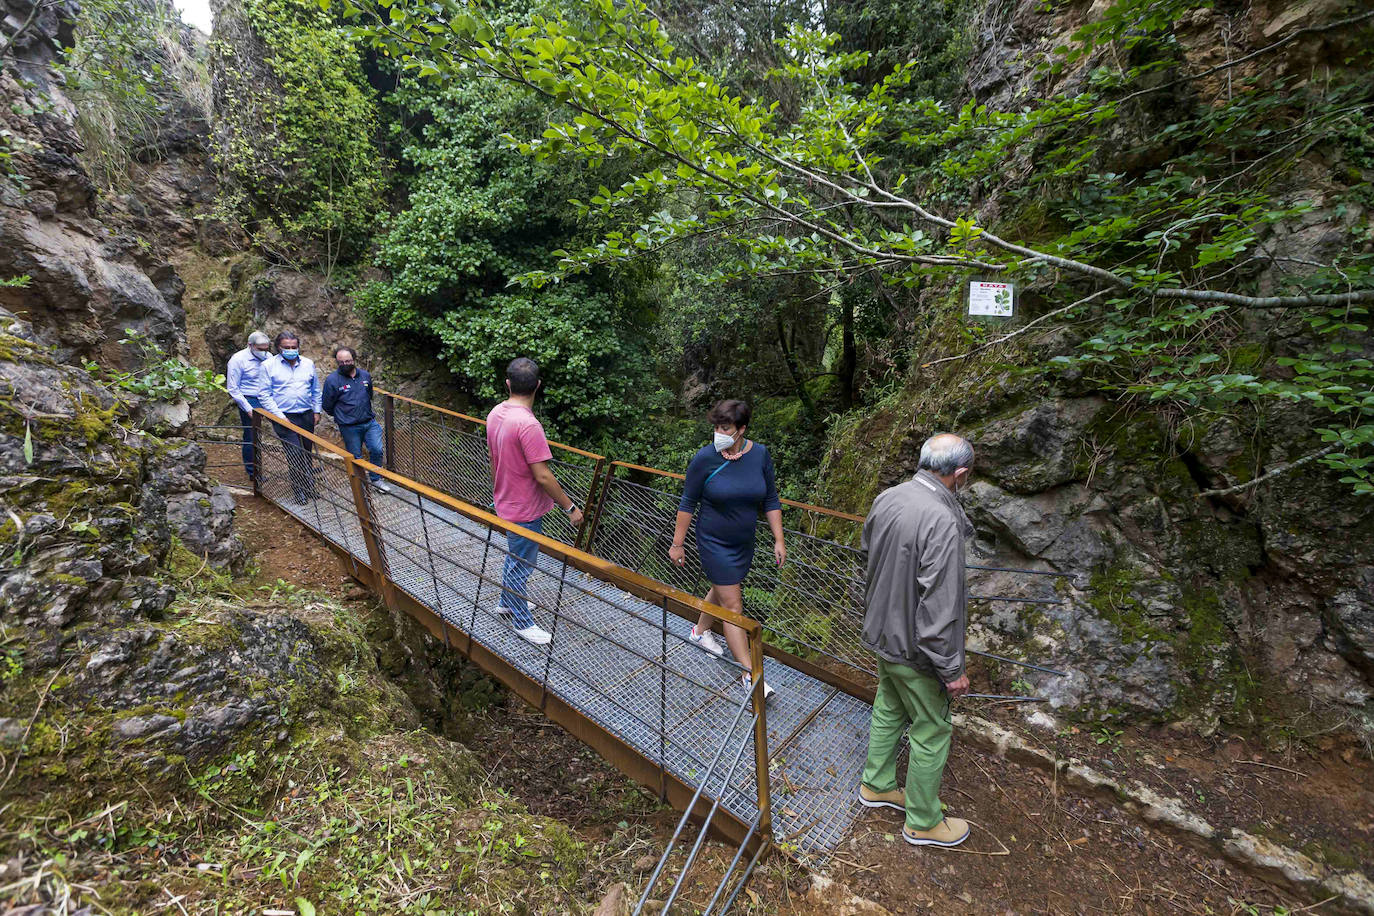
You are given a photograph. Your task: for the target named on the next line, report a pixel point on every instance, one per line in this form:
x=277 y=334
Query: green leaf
x=305 y=906
x=28 y=443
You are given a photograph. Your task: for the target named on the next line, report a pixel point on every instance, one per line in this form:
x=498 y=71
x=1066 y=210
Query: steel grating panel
x=613 y=657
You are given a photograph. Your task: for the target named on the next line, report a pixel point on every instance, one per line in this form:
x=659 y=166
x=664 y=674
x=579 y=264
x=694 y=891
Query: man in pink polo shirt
x=523 y=488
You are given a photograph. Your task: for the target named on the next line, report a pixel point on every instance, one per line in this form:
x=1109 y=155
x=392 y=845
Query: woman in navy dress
x=731 y=479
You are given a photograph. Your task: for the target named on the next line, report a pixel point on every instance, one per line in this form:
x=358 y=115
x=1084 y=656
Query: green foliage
x=478 y=215
x=160 y=378
x=936 y=36
x=300 y=148
x=123 y=73
x=843 y=178
x=20 y=282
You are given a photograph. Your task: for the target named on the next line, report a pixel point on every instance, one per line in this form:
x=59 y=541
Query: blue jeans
x=355 y=435
x=520 y=562
x=246 y=419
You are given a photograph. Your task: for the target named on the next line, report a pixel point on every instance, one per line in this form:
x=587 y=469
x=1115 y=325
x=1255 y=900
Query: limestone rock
x=1038 y=448
x=1064 y=524
x=616 y=902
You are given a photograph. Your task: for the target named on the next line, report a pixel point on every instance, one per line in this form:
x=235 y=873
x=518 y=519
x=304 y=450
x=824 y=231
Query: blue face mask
x=261 y=354
x=290 y=355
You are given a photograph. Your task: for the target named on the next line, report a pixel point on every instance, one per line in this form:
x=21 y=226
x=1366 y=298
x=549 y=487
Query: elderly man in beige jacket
x=916 y=602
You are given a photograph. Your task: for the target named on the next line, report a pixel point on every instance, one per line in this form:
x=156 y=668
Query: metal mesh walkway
x=621 y=660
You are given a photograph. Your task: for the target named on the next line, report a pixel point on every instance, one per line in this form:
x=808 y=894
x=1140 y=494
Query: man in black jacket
x=348 y=399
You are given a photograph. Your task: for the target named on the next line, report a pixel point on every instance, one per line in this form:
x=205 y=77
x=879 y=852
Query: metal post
x=760 y=734
x=256 y=422
x=376 y=558
x=434 y=576
x=410 y=429
x=389 y=430
x=600 y=502
x=585 y=527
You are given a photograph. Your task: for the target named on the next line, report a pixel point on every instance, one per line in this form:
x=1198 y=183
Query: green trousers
x=905 y=695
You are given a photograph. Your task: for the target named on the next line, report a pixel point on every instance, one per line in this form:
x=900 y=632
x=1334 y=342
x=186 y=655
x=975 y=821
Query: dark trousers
x=299 y=452
x=249 y=450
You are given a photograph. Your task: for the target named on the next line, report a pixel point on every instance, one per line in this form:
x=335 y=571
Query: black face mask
x=350 y=370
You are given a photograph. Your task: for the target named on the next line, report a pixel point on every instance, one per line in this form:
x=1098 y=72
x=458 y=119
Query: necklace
x=737 y=455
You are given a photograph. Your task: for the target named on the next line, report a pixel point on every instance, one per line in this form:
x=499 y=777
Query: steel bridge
x=620 y=673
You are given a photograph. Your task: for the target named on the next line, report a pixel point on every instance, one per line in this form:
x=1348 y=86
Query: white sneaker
x=748 y=683
x=505 y=611
x=535 y=634
x=381 y=486
x=706 y=642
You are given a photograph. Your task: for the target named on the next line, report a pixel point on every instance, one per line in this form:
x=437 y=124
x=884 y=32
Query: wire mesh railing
x=812 y=605
x=811 y=608
x=618 y=651
x=447 y=450
x=740 y=745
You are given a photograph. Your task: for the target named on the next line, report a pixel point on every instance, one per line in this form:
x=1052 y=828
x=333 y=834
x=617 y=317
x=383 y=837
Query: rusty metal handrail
x=627 y=580
x=481 y=422
x=381 y=541
x=809 y=612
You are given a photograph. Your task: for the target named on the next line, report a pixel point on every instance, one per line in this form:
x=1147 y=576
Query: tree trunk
x=798 y=381
x=848 y=351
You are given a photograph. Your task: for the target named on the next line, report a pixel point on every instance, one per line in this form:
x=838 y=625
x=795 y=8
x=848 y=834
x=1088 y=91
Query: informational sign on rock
x=988 y=298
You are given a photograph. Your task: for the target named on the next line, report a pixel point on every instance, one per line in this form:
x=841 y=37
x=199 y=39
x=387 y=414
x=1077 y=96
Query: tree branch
x=1018 y=332
x=1270 y=302
x=1281 y=469
x=33 y=13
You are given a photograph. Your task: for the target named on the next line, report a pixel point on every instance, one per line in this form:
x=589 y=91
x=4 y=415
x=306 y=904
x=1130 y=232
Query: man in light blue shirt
x=293 y=393
x=245 y=380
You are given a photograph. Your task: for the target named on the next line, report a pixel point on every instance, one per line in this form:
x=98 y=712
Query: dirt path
x=1036 y=849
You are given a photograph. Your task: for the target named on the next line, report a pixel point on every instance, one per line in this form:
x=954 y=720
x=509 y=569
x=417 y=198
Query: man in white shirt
x=245 y=380
x=293 y=393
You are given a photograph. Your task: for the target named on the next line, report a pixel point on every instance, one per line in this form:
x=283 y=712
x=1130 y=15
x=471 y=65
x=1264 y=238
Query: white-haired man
x=246 y=381
x=916 y=609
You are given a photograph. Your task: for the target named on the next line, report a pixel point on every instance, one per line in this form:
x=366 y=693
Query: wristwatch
x=572 y=507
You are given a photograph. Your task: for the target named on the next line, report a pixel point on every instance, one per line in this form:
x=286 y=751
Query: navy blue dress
x=730 y=497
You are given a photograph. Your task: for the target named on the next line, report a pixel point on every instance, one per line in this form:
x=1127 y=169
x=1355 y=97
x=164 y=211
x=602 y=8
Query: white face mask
x=722 y=441
x=260 y=354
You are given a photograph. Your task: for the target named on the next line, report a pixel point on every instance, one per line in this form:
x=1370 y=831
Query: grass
x=400 y=830
x=342 y=808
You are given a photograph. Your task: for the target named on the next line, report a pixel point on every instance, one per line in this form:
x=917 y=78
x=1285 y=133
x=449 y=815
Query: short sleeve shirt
x=515 y=440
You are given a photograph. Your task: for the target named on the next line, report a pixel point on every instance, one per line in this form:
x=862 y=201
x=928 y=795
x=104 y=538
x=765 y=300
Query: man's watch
x=572 y=507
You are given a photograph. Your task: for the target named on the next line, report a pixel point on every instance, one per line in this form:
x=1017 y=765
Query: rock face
x=189 y=692
x=1182 y=604
x=92 y=277
x=1179 y=605
x=201 y=514
x=281 y=299
x=97 y=267
x=92 y=503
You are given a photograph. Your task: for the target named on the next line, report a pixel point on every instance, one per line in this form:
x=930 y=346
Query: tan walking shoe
x=870 y=799
x=949 y=832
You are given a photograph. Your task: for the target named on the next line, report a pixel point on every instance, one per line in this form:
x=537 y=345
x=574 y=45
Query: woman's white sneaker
x=748 y=683
x=706 y=642
x=535 y=634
